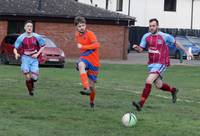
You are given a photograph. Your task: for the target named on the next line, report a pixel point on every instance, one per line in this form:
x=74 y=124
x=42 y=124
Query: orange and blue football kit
x=89 y=55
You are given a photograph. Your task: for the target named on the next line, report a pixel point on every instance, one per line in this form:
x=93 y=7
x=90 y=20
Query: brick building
x=54 y=18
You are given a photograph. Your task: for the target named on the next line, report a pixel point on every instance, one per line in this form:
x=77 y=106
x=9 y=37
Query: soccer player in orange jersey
x=88 y=64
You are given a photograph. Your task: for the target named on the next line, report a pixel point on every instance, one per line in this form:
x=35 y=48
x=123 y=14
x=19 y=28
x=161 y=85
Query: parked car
x=176 y=52
x=195 y=40
x=51 y=55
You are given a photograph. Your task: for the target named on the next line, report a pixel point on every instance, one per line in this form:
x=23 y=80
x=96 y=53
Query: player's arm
x=17 y=55
x=92 y=46
x=172 y=40
x=41 y=43
x=180 y=46
x=138 y=48
x=17 y=44
x=39 y=52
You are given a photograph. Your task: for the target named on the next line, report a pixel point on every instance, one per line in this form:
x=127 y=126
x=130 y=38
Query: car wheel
x=4 y=59
x=177 y=55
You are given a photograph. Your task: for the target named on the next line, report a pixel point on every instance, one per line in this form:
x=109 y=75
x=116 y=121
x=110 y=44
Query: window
x=16 y=27
x=170 y=5
x=119 y=5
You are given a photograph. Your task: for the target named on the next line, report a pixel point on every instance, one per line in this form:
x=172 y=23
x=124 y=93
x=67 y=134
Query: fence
x=136 y=33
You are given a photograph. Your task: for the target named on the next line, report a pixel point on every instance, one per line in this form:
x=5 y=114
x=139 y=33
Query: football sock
x=33 y=82
x=145 y=94
x=29 y=85
x=166 y=87
x=92 y=95
x=84 y=80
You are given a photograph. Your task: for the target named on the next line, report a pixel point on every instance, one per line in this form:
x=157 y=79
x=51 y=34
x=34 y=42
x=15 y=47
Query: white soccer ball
x=129 y=119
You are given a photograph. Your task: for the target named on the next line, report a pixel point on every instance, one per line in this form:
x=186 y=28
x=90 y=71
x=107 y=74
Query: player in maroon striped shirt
x=29 y=46
x=157 y=44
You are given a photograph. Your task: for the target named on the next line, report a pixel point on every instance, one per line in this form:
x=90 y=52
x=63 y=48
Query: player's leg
x=34 y=69
x=92 y=93
x=92 y=73
x=154 y=73
x=165 y=87
x=146 y=91
x=84 y=78
x=29 y=83
x=25 y=67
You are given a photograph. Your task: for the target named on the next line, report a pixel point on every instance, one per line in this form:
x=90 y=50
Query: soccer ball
x=129 y=119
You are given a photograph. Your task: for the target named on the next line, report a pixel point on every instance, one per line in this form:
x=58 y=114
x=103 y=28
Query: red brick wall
x=113 y=39
x=3 y=29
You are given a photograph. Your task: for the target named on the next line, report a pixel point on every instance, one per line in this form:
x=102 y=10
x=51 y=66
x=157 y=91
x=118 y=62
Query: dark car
x=195 y=40
x=176 y=52
x=51 y=55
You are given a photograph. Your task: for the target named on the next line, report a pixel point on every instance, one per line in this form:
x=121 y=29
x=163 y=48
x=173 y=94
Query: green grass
x=57 y=109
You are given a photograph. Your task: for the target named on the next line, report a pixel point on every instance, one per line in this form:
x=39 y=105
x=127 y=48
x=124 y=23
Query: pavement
x=142 y=58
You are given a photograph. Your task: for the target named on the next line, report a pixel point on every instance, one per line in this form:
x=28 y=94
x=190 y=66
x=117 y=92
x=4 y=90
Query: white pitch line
x=160 y=96
x=157 y=95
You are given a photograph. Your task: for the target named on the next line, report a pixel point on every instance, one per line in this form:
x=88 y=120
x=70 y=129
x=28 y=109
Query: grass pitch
x=57 y=109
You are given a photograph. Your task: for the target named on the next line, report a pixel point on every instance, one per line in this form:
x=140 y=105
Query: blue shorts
x=29 y=65
x=157 y=68
x=92 y=71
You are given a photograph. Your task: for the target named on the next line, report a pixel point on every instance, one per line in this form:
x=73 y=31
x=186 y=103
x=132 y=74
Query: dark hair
x=28 y=21
x=79 y=19
x=154 y=19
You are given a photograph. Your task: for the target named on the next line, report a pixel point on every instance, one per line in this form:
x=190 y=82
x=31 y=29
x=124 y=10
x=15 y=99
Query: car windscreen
x=195 y=40
x=183 y=41
x=49 y=43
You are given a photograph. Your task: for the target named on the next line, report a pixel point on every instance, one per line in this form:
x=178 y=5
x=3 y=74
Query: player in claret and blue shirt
x=157 y=44
x=29 y=46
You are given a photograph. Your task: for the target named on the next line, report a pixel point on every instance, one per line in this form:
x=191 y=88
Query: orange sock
x=92 y=96
x=84 y=80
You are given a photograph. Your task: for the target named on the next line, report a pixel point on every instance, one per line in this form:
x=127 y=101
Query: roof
x=57 y=8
